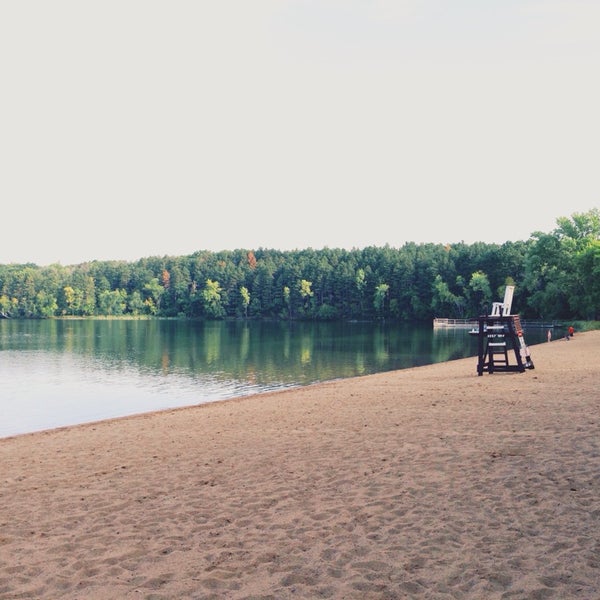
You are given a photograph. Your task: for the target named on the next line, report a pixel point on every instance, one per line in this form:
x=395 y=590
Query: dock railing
x=441 y=322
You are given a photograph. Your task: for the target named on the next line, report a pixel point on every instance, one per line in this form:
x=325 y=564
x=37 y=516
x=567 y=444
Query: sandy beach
x=426 y=483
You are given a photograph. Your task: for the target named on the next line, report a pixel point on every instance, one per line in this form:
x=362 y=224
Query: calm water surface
x=63 y=372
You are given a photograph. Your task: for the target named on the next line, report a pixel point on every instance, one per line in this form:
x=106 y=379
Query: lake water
x=64 y=372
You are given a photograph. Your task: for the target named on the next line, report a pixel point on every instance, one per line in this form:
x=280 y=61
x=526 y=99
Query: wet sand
x=425 y=483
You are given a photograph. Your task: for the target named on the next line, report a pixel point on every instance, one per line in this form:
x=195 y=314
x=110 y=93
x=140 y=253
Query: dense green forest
x=556 y=274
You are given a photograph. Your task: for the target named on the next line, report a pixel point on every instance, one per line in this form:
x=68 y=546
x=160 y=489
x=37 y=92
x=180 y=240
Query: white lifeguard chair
x=502 y=309
x=499 y=332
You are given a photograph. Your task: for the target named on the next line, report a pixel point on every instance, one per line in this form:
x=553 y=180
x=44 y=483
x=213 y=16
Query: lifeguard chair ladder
x=499 y=334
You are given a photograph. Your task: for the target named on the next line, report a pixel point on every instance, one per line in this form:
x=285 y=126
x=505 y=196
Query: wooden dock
x=441 y=323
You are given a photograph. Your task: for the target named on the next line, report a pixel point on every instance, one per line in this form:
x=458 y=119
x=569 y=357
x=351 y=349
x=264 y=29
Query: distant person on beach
x=571 y=331
x=549 y=335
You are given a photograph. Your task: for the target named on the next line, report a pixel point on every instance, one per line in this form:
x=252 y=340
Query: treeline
x=556 y=274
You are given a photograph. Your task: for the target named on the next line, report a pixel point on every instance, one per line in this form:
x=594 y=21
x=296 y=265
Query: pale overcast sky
x=143 y=128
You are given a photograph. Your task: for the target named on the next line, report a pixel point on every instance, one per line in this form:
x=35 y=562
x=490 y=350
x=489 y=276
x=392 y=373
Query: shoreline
x=428 y=482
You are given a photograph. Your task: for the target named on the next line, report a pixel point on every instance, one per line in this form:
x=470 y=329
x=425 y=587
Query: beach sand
x=425 y=483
